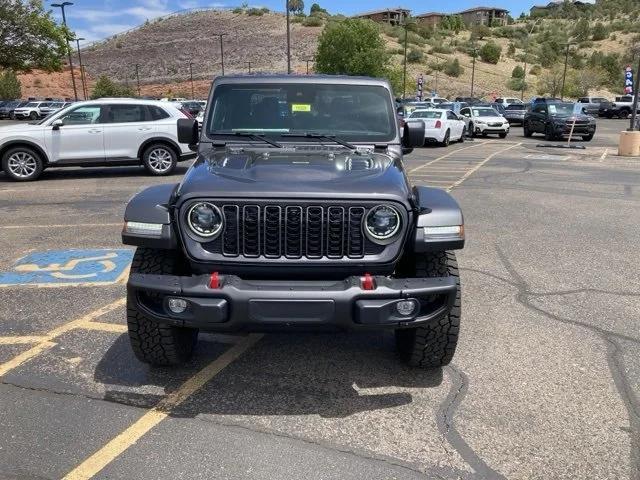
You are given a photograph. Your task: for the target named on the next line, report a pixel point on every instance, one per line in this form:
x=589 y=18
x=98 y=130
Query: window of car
x=31 y=105
x=425 y=114
x=125 y=113
x=583 y=100
x=484 y=112
x=452 y=116
x=499 y=100
x=464 y=111
x=84 y=115
x=599 y=100
x=540 y=108
x=157 y=113
x=515 y=106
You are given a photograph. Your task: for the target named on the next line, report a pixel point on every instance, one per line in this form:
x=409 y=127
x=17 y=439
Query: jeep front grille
x=275 y=231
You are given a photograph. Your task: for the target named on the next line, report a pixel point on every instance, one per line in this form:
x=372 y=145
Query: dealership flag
x=628 y=80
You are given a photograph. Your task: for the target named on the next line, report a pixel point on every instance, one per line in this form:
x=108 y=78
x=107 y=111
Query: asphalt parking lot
x=545 y=383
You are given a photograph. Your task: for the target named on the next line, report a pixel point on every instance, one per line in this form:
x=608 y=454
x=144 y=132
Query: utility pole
x=248 y=64
x=221 y=49
x=473 y=69
x=564 y=74
x=308 y=60
x=86 y=82
x=288 y=38
x=191 y=77
x=404 y=74
x=526 y=53
x=64 y=22
x=138 y=78
x=84 y=87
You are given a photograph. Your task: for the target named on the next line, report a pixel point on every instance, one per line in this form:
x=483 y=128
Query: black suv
x=296 y=215
x=557 y=119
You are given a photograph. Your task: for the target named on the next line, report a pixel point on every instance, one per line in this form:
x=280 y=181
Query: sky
x=97 y=19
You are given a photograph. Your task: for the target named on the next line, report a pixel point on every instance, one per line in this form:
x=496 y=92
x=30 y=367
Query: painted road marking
x=47 y=339
x=446 y=156
x=119 y=444
x=22 y=339
x=69 y=267
x=61 y=225
x=478 y=166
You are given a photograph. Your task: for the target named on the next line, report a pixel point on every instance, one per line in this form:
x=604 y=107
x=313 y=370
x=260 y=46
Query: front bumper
x=485 y=128
x=249 y=305
x=564 y=129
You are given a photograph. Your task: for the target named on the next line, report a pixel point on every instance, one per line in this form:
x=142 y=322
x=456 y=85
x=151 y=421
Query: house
x=392 y=16
x=489 y=16
x=542 y=9
x=431 y=19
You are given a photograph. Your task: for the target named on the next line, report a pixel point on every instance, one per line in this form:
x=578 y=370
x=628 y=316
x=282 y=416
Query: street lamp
x=191 y=76
x=84 y=83
x=221 y=49
x=473 y=69
x=526 y=53
x=288 y=38
x=248 y=64
x=64 y=22
x=138 y=77
x=564 y=74
x=634 y=113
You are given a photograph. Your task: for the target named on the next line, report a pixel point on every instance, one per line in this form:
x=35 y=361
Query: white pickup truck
x=621 y=107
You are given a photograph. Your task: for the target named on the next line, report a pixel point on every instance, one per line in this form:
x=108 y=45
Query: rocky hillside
x=164 y=48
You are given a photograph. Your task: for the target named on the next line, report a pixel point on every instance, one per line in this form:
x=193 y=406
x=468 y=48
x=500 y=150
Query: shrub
x=516 y=84
x=441 y=48
x=238 y=10
x=453 y=68
x=490 y=52
x=10 y=85
x=298 y=19
x=313 y=21
x=599 y=32
x=414 y=56
x=517 y=72
x=511 y=50
x=256 y=12
x=104 y=87
x=535 y=70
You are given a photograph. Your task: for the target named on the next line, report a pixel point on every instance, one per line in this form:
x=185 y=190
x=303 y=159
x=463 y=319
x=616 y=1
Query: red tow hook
x=214 y=281
x=367 y=282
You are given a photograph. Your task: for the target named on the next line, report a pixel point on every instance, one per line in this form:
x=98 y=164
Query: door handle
x=144 y=129
x=94 y=131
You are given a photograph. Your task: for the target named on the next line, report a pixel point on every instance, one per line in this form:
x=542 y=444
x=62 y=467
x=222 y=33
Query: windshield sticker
x=552 y=109
x=300 y=107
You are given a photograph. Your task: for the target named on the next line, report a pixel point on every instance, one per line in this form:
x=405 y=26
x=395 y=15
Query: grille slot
x=277 y=230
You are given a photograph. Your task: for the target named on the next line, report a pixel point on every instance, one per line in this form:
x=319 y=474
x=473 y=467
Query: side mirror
x=188 y=131
x=57 y=123
x=584 y=110
x=413 y=135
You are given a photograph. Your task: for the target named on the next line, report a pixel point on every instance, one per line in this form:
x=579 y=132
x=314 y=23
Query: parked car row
x=32 y=110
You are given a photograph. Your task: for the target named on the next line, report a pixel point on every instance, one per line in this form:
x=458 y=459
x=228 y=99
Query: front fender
x=150 y=207
x=437 y=210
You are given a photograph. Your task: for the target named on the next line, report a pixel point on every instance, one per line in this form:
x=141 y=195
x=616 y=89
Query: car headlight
x=205 y=219
x=382 y=223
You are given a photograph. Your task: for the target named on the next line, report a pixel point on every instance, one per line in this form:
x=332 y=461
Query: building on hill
x=392 y=16
x=542 y=9
x=430 y=19
x=489 y=16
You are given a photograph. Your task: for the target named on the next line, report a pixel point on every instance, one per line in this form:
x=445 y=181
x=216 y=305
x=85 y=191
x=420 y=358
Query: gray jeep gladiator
x=296 y=215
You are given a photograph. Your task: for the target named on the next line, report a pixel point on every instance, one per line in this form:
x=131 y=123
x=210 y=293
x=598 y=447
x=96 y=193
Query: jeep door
x=127 y=126
x=538 y=117
x=80 y=137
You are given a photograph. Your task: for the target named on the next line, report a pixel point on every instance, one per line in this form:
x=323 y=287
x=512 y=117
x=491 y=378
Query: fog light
x=407 y=307
x=177 y=305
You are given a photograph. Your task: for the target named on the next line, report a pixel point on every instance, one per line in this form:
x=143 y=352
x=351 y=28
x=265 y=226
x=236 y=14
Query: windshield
x=429 y=114
x=32 y=104
x=516 y=107
x=351 y=112
x=485 y=112
x=561 y=109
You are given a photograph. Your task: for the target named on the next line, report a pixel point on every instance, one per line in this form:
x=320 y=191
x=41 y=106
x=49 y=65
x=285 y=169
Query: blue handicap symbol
x=59 y=267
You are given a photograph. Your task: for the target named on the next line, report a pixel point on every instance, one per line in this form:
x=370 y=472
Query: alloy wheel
x=160 y=159
x=22 y=164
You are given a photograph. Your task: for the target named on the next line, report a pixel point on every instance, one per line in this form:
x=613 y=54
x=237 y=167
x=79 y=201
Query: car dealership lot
x=544 y=383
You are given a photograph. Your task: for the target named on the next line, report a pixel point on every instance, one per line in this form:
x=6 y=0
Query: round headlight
x=205 y=219
x=382 y=223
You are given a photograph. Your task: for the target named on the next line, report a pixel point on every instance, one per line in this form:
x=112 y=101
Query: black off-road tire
x=502 y=135
x=526 y=130
x=153 y=342
x=549 y=134
x=587 y=138
x=432 y=345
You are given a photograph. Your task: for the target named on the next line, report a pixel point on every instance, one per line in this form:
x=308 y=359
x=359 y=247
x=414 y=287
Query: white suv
x=31 y=110
x=104 y=132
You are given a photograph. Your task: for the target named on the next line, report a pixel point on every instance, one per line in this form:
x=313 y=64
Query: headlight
x=382 y=223
x=205 y=219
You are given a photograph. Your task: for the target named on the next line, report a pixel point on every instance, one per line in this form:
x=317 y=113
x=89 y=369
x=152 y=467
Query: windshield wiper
x=253 y=136
x=321 y=136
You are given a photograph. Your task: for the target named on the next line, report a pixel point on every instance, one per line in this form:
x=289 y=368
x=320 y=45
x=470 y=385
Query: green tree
x=9 y=85
x=315 y=8
x=296 y=6
x=105 y=87
x=490 y=52
x=452 y=68
x=517 y=72
x=351 y=47
x=599 y=32
x=582 y=31
x=478 y=32
x=29 y=38
x=414 y=56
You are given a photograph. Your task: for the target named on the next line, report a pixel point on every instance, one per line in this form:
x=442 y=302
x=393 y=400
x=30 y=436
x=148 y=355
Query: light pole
x=404 y=73
x=634 y=113
x=248 y=65
x=473 y=69
x=308 y=60
x=64 y=22
x=564 y=74
x=138 y=77
x=191 y=76
x=288 y=38
x=84 y=83
x=526 y=53
x=221 y=49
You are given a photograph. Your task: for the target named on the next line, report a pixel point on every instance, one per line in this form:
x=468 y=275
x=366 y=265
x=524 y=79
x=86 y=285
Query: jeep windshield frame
x=284 y=109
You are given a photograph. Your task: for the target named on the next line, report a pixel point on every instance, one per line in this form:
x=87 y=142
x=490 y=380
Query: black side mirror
x=413 y=135
x=187 y=131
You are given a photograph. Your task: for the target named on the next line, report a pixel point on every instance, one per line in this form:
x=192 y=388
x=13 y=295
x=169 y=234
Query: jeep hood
x=295 y=172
